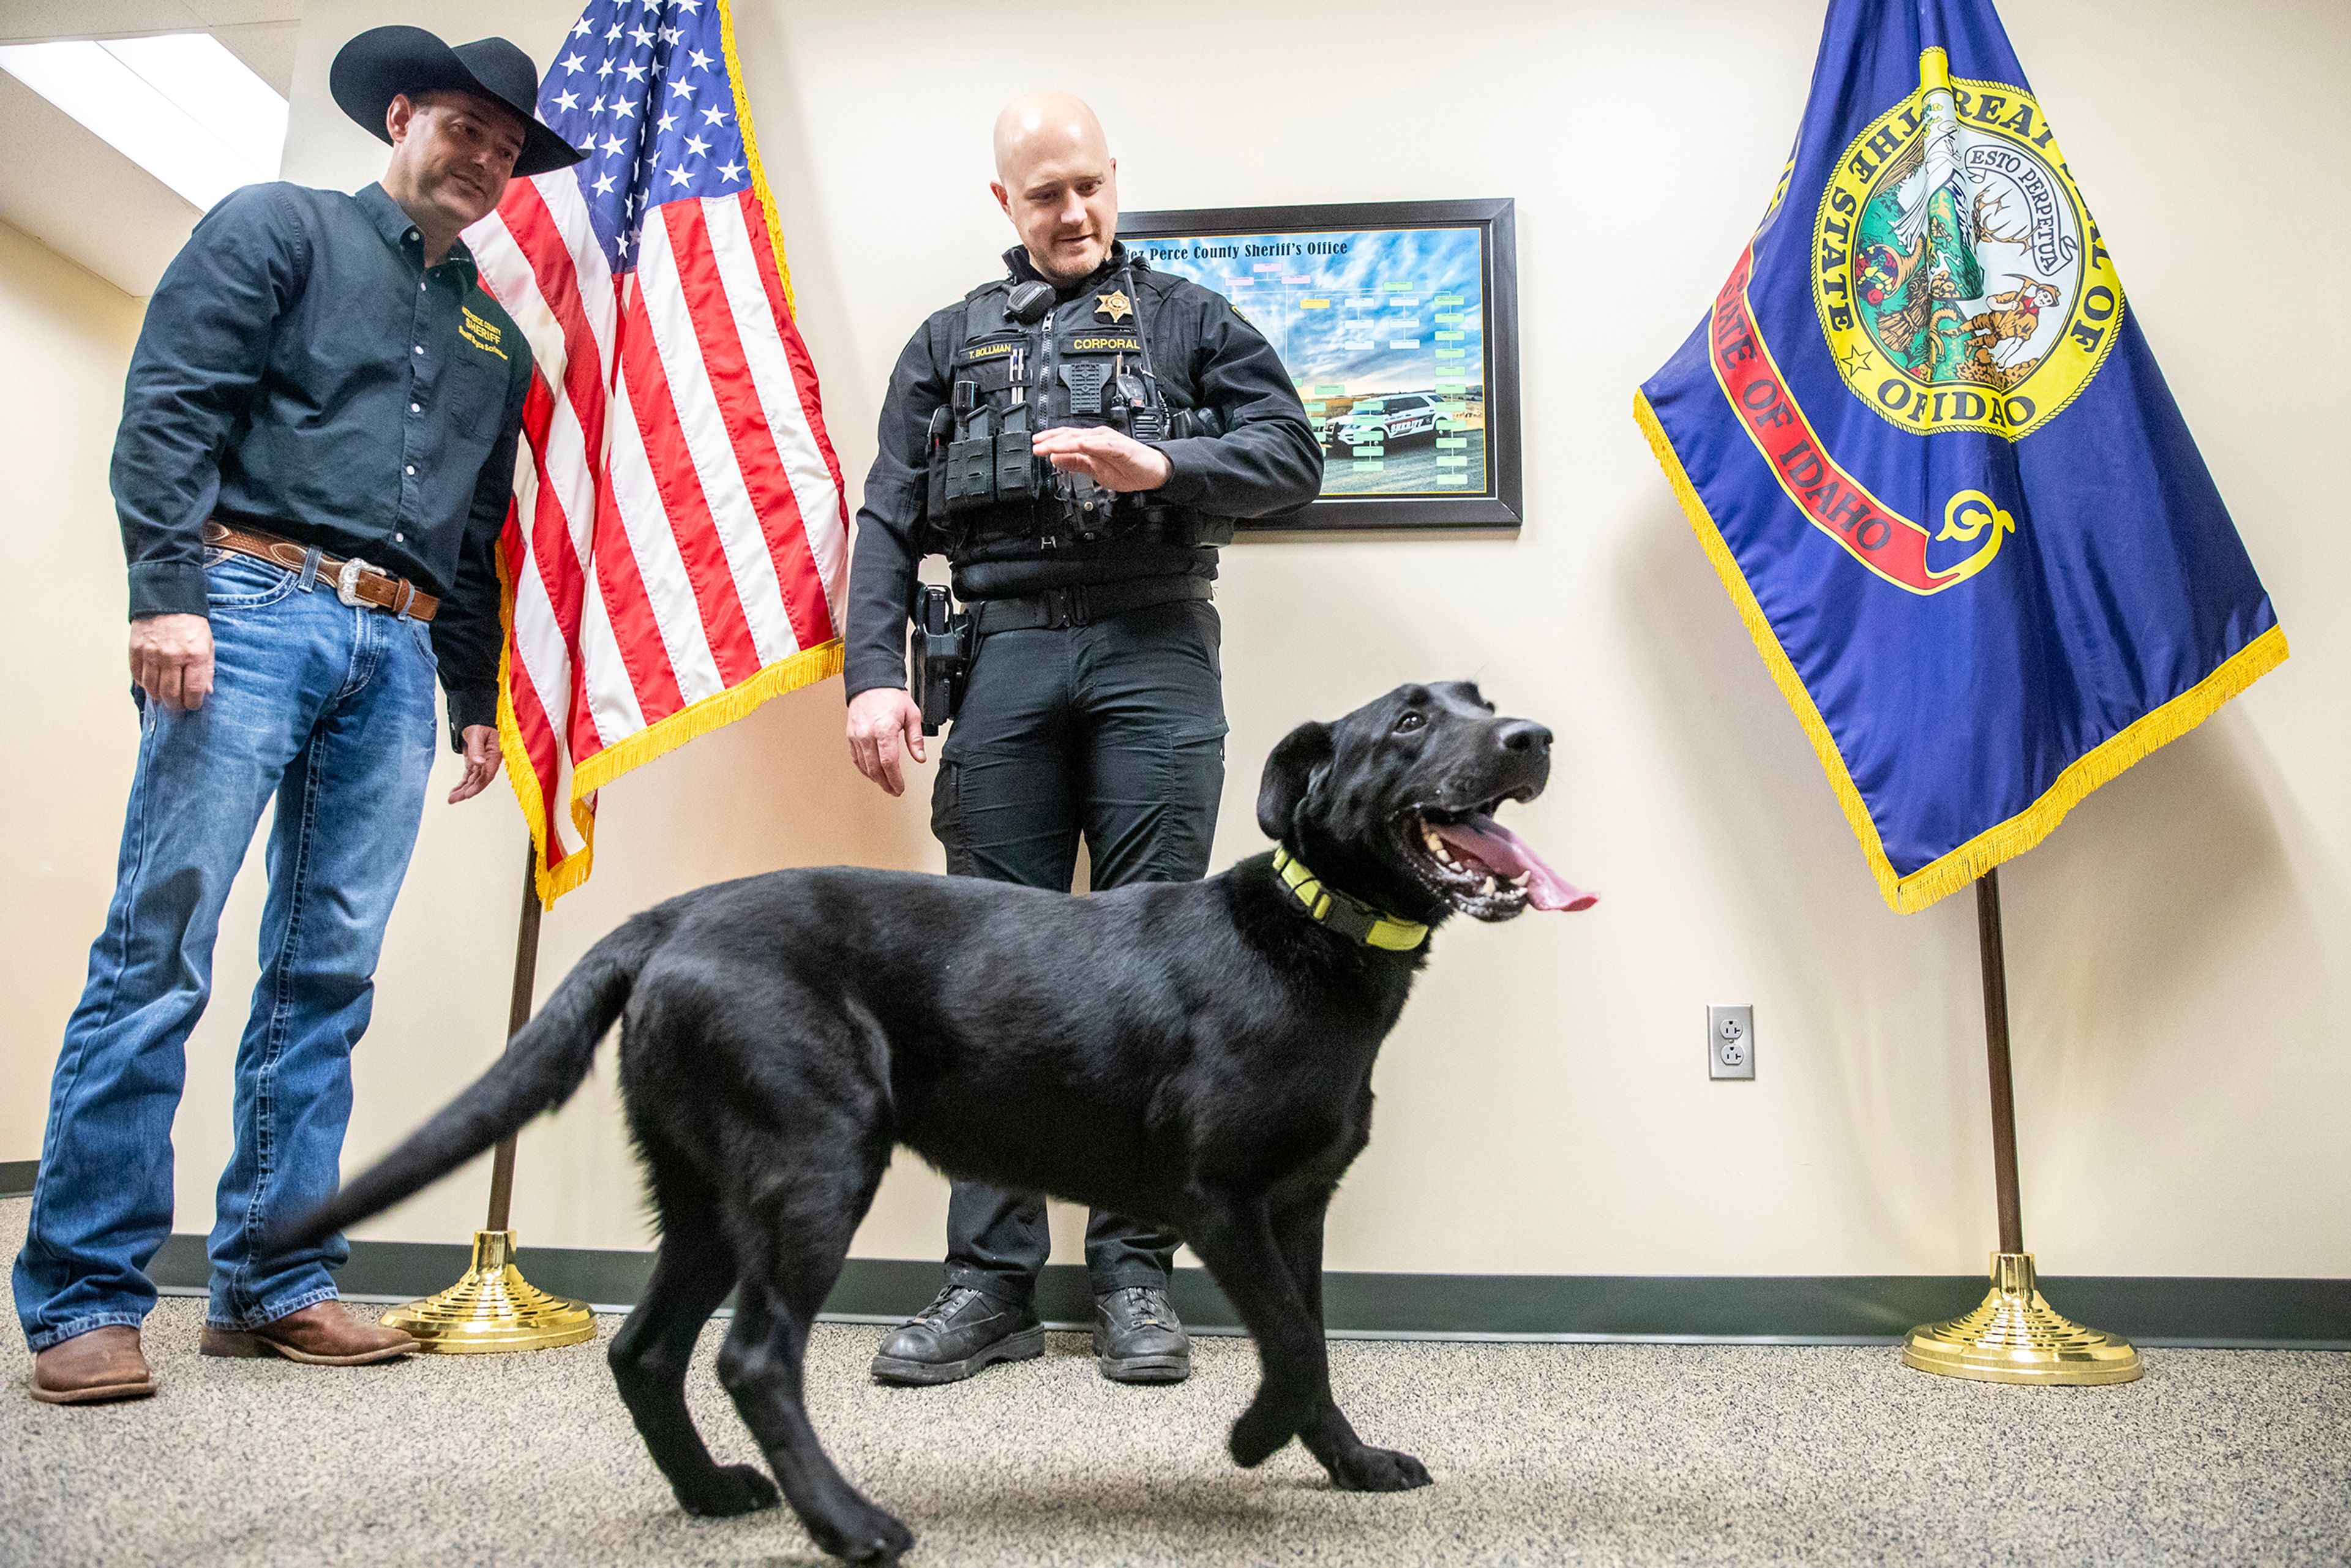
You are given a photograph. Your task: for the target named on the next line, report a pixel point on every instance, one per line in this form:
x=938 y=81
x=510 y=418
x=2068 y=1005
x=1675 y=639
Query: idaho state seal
x=1959 y=276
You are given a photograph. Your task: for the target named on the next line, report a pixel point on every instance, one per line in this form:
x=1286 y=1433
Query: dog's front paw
x=1366 y=1468
x=728 y=1490
x=868 y=1536
x=1261 y=1431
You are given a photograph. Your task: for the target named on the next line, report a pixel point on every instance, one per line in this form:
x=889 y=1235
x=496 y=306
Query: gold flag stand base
x=493 y=1308
x=2017 y=1337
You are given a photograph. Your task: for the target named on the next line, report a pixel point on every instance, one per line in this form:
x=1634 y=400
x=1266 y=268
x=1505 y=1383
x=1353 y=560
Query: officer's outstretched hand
x=880 y=722
x=1112 y=460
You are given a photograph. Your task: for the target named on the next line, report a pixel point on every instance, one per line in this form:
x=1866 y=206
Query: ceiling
x=70 y=191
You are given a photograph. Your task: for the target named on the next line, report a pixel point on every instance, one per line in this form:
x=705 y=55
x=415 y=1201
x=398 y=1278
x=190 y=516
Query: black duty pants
x=1116 y=731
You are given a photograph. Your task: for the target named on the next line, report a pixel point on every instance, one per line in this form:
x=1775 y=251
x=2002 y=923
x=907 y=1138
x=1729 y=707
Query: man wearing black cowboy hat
x=315 y=455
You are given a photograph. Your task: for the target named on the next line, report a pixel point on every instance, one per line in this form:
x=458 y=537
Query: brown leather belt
x=355 y=582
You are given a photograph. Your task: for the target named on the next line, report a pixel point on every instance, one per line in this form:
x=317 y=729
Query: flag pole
x=2014 y=1335
x=493 y=1308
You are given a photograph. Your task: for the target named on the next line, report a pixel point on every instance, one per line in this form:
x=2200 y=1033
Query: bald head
x=1046 y=125
x=1057 y=183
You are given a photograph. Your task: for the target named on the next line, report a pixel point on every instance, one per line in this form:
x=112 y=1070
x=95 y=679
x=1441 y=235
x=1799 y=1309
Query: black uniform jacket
x=1205 y=354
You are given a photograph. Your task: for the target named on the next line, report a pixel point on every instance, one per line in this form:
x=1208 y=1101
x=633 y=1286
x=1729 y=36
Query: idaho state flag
x=1926 y=448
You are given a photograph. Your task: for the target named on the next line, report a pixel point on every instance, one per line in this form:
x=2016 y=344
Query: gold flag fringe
x=2002 y=841
x=751 y=152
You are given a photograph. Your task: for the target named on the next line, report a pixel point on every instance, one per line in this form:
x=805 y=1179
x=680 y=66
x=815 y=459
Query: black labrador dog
x=1196 y=1055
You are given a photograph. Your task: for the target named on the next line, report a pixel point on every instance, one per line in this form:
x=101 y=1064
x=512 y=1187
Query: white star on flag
x=701 y=61
x=715 y=115
x=683 y=89
x=697 y=146
x=603 y=184
x=678 y=176
x=568 y=100
x=574 y=60
x=732 y=169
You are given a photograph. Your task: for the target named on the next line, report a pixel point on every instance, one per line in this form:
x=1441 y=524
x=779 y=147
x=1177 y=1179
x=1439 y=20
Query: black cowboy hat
x=383 y=62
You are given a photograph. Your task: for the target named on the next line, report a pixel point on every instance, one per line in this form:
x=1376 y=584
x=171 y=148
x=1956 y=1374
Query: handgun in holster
x=942 y=656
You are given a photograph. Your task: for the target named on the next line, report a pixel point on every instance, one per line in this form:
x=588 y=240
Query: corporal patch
x=1958 y=274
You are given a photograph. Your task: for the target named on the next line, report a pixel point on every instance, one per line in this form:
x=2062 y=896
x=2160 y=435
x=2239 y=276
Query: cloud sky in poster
x=1385 y=290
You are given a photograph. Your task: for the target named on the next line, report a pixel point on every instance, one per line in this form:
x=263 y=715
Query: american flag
x=678 y=541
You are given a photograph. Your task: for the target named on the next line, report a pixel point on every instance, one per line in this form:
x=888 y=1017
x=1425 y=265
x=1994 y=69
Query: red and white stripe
x=679 y=523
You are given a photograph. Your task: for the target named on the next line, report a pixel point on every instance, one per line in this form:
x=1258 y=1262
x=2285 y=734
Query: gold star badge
x=1114 y=305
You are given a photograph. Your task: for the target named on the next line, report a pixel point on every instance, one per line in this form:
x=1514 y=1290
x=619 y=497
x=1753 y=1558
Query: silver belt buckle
x=346 y=582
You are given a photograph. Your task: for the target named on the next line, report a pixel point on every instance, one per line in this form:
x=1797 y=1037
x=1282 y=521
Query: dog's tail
x=543 y=1064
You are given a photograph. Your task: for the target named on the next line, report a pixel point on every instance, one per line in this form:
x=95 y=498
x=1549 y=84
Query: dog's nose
x=1525 y=734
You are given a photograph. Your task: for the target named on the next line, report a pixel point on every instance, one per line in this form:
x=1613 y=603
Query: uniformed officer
x=1155 y=415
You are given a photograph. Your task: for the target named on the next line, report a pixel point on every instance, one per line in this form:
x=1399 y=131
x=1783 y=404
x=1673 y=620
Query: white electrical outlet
x=1730 y=1042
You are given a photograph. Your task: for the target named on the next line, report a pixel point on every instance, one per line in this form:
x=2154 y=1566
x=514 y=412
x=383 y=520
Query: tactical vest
x=1084 y=362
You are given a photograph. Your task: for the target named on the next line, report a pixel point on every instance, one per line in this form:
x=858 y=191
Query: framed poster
x=1398 y=323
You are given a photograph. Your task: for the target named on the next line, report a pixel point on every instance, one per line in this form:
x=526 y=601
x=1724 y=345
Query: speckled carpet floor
x=1542 y=1454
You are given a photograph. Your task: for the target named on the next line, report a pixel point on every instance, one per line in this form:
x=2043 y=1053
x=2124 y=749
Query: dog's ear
x=1288 y=773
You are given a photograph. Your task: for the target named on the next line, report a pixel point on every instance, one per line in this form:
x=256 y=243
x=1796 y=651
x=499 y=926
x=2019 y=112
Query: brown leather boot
x=104 y=1363
x=322 y=1334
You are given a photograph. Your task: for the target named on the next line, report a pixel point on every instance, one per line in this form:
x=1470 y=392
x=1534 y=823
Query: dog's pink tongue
x=1506 y=855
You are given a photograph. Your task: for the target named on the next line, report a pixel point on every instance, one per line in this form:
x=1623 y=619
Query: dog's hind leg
x=1353 y=1464
x=691 y=1274
x=791 y=1249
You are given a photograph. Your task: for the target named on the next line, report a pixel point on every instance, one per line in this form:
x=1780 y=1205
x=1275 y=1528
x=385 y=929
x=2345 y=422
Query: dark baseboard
x=2290 y=1314
x=16 y=1177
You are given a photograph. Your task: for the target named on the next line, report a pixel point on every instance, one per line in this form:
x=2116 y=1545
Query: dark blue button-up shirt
x=301 y=369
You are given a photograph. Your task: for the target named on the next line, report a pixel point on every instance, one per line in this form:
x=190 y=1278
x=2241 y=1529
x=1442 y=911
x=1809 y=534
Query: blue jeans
x=329 y=709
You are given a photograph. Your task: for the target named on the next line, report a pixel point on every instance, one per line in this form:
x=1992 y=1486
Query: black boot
x=960 y=1333
x=1138 y=1338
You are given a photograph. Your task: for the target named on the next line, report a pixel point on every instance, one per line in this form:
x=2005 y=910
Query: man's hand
x=1114 y=461
x=171 y=659
x=481 y=762
x=880 y=722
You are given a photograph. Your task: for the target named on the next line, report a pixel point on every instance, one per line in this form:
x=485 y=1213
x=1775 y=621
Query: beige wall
x=64 y=339
x=2177 y=951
